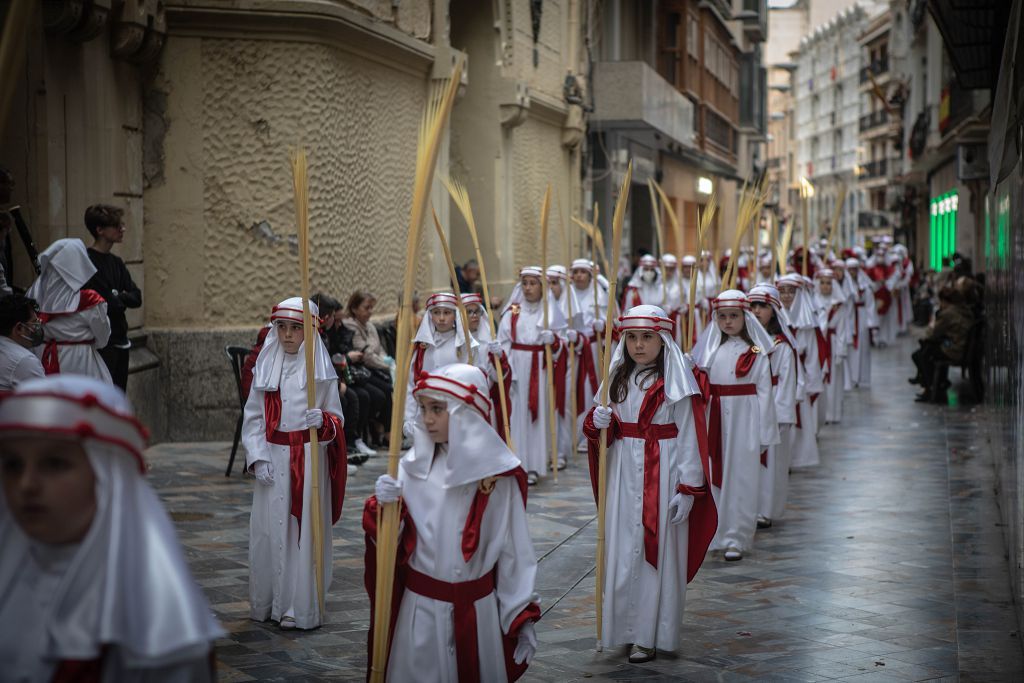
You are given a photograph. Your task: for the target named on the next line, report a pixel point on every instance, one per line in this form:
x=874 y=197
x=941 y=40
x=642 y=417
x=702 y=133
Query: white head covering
x=647 y=262
x=838 y=294
x=679 y=379
x=426 y=334
x=711 y=337
x=127 y=584
x=689 y=260
x=669 y=260
x=769 y=294
x=64 y=269
x=266 y=375
x=801 y=312
x=483 y=330
x=577 y=321
x=556 y=319
x=475 y=451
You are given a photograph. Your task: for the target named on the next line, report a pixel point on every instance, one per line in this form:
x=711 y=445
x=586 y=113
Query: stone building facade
x=191 y=133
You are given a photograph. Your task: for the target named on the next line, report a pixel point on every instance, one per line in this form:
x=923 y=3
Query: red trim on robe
x=87 y=298
x=418 y=353
x=745 y=363
x=586 y=372
x=337 y=455
x=475 y=518
x=495 y=396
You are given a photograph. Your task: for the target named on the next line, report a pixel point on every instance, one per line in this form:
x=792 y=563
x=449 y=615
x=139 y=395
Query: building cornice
x=312 y=21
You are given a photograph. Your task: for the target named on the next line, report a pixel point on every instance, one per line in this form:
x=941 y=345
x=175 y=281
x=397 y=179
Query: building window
x=942 y=226
x=691 y=37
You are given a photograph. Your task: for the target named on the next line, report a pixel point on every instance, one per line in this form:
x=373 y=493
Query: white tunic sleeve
x=99 y=324
x=785 y=392
x=762 y=377
x=517 y=565
x=688 y=468
x=254 y=430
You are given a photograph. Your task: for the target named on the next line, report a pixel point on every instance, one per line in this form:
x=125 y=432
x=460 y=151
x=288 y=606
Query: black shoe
x=926 y=397
x=357 y=459
x=914 y=380
x=763 y=522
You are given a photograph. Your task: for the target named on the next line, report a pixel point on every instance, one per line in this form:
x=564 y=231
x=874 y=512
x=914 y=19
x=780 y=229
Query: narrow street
x=888 y=566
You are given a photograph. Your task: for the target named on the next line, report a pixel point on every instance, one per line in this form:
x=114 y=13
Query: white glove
x=527 y=645
x=314 y=418
x=679 y=508
x=547 y=337
x=572 y=336
x=264 y=472
x=494 y=348
x=387 y=489
x=598 y=326
x=602 y=417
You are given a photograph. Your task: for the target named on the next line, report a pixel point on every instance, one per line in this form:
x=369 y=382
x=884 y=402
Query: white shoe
x=352 y=469
x=363 y=448
x=287 y=623
x=531 y=478
x=581 y=447
x=733 y=554
x=561 y=464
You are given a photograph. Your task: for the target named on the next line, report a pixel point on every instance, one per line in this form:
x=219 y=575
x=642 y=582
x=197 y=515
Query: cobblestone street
x=888 y=566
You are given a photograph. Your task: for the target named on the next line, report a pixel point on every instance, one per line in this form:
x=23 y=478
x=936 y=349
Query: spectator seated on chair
x=944 y=344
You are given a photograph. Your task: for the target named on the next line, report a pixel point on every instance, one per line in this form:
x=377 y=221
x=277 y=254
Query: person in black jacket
x=114 y=283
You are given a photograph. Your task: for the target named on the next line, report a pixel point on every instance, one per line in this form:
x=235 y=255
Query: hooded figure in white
x=463 y=523
x=75 y=323
x=119 y=604
x=594 y=302
x=275 y=433
x=803 y=325
x=645 y=285
x=834 y=319
x=788 y=386
x=865 y=320
x=522 y=335
x=902 y=300
x=656 y=476
x=565 y=371
x=433 y=348
x=741 y=418
x=487 y=358
x=689 y=270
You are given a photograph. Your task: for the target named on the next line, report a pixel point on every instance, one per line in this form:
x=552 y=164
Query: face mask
x=648 y=276
x=36 y=336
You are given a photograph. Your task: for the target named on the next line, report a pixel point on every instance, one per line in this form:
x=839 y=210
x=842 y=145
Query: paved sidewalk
x=888 y=565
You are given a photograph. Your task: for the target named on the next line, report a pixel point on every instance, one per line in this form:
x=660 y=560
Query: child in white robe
x=834 y=319
x=440 y=340
x=784 y=362
x=865 y=323
x=275 y=433
x=645 y=285
x=565 y=371
x=93 y=583
x=593 y=300
x=75 y=323
x=464 y=533
x=523 y=337
x=480 y=328
x=660 y=517
x=741 y=416
x=803 y=325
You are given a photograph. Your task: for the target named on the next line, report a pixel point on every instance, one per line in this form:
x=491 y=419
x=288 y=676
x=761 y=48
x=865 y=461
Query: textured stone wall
x=258 y=100
x=538 y=159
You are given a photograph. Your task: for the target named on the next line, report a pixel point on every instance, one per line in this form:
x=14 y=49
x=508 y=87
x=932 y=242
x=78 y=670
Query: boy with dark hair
x=114 y=283
x=20 y=331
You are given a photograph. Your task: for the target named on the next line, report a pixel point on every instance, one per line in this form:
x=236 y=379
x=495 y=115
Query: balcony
x=875 y=68
x=874 y=169
x=719 y=133
x=754 y=16
x=873 y=120
x=633 y=95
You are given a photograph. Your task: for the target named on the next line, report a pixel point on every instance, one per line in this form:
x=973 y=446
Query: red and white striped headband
x=442 y=300
x=292 y=314
x=470 y=394
x=645 y=322
x=530 y=270
x=824 y=272
x=763 y=298
x=82 y=417
x=472 y=299
x=730 y=302
x=648 y=260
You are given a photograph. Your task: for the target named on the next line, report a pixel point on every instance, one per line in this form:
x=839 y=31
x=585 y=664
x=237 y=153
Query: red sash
x=87 y=298
x=824 y=353
x=418 y=353
x=537 y=351
x=337 y=455
x=586 y=372
x=506 y=370
x=716 y=392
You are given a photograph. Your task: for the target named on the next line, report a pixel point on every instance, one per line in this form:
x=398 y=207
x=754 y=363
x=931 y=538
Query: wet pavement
x=889 y=564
